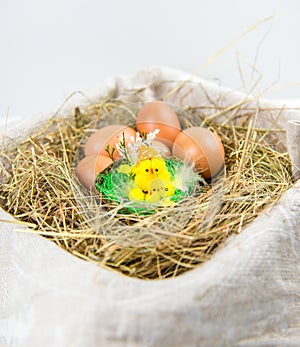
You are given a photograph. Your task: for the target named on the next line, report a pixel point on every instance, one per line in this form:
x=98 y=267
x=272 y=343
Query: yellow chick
x=156 y=190
x=160 y=169
x=143 y=174
x=152 y=180
x=148 y=170
x=159 y=190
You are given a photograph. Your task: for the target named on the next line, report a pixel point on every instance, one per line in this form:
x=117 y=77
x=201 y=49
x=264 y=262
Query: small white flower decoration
x=131 y=153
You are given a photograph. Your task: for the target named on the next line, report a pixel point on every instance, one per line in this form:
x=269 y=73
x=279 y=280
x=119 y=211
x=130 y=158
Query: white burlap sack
x=248 y=294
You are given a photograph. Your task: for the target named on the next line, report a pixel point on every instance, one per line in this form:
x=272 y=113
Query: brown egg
x=109 y=135
x=89 y=167
x=159 y=115
x=201 y=147
x=162 y=149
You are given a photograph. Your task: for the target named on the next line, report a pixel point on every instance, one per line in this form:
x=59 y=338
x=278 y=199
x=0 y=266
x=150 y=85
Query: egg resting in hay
x=89 y=167
x=202 y=148
x=159 y=115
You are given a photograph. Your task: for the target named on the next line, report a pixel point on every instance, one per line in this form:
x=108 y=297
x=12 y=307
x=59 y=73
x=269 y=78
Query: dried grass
x=39 y=188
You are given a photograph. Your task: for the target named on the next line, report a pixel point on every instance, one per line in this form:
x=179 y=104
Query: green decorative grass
x=113 y=186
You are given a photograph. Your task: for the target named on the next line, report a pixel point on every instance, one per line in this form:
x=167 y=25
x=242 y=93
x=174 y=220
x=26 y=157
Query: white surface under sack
x=248 y=294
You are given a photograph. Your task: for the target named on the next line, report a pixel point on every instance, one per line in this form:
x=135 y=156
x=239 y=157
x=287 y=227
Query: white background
x=52 y=48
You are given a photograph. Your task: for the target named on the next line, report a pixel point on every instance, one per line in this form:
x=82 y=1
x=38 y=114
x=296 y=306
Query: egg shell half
x=159 y=115
x=89 y=167
x=201 y=147
x=109 y=135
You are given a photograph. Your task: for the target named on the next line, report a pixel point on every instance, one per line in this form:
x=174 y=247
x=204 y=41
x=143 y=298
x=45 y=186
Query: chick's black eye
x=147 y=170
x=156 y=170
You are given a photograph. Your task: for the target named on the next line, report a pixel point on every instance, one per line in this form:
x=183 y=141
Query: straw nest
x=39 y=188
